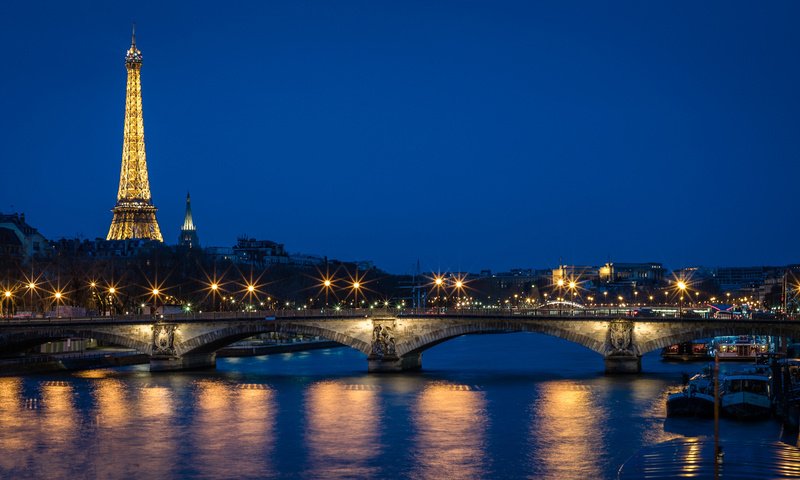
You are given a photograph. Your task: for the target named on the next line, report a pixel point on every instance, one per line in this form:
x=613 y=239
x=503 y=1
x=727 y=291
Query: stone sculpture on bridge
x=164 y=339
x=621 y=355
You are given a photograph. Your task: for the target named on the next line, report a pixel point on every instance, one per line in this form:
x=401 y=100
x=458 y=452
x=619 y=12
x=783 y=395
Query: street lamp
x=31 y=288
x=112 y=292
x=155 y=293
x=327 y=286
x=356 y=287
x=7 y=298
x=682 y=289
x=214 y=287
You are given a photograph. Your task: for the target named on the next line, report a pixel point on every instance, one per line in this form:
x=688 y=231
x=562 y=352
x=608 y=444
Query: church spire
x=188 y=236
x=188 y=224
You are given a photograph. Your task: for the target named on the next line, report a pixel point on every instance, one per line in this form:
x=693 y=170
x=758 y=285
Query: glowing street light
x=356 y=286
x=681 y=288
x=7 y=300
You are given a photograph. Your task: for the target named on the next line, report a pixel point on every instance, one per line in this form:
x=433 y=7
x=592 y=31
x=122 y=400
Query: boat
x=696 y=399
x=746 y=395
x=687 y=351
x=743 y=347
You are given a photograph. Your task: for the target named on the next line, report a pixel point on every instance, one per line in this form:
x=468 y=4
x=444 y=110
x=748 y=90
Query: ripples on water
x=495 y=406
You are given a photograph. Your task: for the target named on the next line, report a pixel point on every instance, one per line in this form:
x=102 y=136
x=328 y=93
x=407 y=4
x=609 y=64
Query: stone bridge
x=391 y=342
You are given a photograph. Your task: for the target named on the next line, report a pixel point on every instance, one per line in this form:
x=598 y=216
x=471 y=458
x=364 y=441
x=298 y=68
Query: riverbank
x=71 y=361
x=111 y=357
x=257 y=350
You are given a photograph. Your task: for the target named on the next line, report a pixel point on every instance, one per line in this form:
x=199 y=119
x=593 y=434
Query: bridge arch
x=432 y=338
x=709 y=330
x=19 y=341
x=216 y=339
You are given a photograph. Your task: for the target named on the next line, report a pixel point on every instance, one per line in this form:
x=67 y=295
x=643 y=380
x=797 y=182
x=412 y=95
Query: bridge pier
x=186 y=362
x=393 y=363
x=623 y=364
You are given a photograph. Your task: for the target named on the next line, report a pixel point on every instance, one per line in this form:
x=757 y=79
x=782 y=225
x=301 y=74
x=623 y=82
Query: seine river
x=488 y=406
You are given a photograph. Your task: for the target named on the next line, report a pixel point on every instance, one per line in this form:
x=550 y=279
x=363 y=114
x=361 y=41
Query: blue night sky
x=467 y=135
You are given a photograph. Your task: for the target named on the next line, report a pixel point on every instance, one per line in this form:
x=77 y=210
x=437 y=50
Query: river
x=485 y=406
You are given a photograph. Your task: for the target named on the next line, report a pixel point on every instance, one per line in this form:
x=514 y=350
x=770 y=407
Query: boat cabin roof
x=747 y=376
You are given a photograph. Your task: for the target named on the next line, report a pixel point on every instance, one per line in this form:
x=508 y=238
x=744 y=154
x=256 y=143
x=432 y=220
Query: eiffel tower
x=134 y=213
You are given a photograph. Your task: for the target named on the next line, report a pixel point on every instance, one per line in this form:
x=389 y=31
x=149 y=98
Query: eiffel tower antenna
x=134 y=213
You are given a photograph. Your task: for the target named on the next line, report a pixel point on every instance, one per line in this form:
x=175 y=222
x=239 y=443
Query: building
x=188 y=237
x=305 y=259
x=578 y=273
x=134 y=213
x=102 y=248
x=732 y=279
x=220 y=253
x=647 y=273
x=20 y=240
x=259 y=252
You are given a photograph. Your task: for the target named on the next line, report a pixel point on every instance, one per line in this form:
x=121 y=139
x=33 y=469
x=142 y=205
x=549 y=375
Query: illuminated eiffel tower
x=134 y=213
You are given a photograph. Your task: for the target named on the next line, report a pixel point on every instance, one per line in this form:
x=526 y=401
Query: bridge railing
x=332 y=314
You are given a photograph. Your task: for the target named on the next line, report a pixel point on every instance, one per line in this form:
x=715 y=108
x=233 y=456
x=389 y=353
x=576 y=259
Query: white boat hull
x=745 y=405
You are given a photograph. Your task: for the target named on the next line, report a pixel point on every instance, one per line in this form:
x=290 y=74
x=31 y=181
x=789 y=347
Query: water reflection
x=232 y=430
x=15 y=439
x=566 y=432
x=450 y=423
x=155 y=436
x=255 y=410
x=59 y=425
x=343 y=430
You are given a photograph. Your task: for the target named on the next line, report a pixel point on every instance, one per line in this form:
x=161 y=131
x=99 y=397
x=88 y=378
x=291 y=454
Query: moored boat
x=687 y=351
x=696 y=399
x=743 y=347
x=746 y=395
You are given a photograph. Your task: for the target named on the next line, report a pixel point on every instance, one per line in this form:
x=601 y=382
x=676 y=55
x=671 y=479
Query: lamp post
x=682 y=289
x=251 y=289
x=438 y=283
x=214 y=287
x=112 y=293
x=155 y=292
x=7 y=299
x=31 y=287
x=356 y=287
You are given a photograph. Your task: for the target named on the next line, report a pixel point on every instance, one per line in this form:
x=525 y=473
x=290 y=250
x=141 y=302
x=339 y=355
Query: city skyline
x=355 y=149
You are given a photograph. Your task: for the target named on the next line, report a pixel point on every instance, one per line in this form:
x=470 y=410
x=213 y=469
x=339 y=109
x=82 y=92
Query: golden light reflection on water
x=115 y=429
x=155 y=432
x=60 y=426
x=12 y=419
x=343 y=430
x=113 y=410
x=212 y=425
x=255 y=409
x=566 y=431
x=233 y=430
x=450 y=423
x=60 y=417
